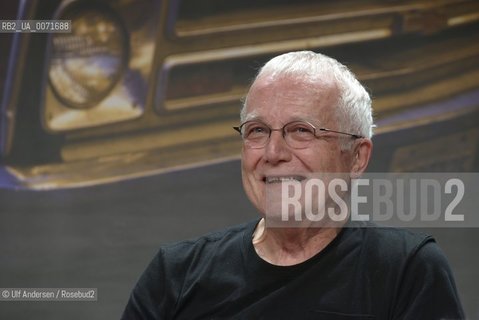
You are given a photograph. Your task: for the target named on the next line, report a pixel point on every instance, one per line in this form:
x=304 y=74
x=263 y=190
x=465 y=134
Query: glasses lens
x=255 y=133
x=299 y=134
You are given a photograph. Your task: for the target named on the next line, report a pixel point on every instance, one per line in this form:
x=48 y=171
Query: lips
x=281 y=179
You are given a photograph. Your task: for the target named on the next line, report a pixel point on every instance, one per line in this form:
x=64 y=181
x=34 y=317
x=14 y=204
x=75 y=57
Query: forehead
x=286 y=98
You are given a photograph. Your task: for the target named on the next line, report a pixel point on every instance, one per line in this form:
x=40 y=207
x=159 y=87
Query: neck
x=290 y=246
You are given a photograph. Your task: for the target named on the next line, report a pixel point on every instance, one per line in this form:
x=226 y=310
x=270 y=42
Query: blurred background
x=117 y=137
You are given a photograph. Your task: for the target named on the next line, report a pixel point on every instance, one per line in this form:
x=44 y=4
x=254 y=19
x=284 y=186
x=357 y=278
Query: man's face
x=276 y=103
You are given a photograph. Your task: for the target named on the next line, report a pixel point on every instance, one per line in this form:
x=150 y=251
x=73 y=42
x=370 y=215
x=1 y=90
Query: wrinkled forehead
x=291 y=97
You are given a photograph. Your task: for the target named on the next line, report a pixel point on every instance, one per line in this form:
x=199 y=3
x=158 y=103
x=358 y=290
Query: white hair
x=353 y=109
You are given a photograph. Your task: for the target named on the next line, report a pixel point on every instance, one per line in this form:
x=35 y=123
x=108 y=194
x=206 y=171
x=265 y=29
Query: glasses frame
x=283 y=131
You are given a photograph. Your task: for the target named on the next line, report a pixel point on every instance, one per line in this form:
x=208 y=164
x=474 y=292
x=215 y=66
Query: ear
x=361 y=154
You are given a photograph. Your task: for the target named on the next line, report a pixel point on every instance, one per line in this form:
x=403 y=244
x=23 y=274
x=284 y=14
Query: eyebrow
x=253 y=116
x=307 y=119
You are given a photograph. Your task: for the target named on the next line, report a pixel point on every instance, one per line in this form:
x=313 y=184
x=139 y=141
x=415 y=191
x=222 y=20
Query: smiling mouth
x=270 y=180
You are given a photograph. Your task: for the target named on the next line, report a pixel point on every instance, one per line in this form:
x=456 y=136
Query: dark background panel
x=104 y=236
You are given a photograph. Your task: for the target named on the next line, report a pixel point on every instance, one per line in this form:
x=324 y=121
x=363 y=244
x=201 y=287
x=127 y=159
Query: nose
x=276 y=149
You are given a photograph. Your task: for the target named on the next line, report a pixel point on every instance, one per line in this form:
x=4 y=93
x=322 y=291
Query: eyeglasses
x=297 y=134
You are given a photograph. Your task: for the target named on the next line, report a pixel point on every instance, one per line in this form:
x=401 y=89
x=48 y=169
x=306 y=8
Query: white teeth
x=282 y=179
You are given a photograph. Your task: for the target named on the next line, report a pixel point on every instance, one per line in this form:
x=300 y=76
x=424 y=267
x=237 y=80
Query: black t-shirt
x=364 y=273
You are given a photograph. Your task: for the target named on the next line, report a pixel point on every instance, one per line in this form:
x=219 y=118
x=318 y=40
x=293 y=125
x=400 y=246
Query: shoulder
x=390 y=252
x=422 y=281
x=203 y=247
x=211 y=239
x=410 y=269
x=398 y=247
x=177 y=265
x=408 y=250
x=393 y=244
x=181 y=264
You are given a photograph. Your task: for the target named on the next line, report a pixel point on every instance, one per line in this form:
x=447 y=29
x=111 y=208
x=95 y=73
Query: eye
x=300 y=128
x=300 y=131
x=254 y=130
x=303 y=130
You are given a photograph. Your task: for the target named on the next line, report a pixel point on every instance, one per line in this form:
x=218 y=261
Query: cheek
x=249 y=160
x=249 y=163
x=342 y=162
x=327 y=159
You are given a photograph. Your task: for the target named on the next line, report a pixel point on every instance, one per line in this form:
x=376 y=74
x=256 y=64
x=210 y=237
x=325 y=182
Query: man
x=305 y=114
